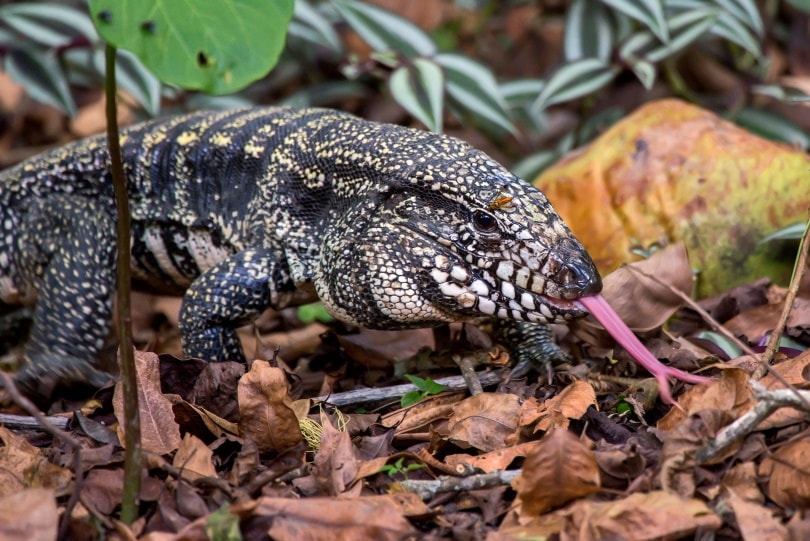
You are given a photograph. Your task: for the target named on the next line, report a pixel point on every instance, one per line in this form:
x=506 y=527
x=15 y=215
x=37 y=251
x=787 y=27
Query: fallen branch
x=767 y=402
x=369 y=395
x=431 y=487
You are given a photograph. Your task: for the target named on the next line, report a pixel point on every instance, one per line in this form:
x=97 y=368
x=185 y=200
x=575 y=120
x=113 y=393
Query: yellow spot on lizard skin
x=253 y=150
x=187 y=137
x=220 y=139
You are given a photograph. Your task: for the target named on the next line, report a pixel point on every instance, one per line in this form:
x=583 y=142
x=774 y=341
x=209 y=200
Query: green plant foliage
x=424 y=388
x=399 y=467
x=418 y=87
x=50 y=46
x=309 y=313
x=474 y=87
x=771 y=126
x=791 y=232
x=222 y=525
x=575 y=80
x=385 y=31
x=200 y=44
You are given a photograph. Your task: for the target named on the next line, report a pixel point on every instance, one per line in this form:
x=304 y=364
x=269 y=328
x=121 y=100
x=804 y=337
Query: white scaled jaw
x=505 y=294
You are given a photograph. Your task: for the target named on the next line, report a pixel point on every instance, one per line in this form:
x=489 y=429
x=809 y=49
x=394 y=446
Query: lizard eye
x=484 y=221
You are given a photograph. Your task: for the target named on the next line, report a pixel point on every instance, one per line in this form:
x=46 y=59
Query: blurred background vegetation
x=526 y=81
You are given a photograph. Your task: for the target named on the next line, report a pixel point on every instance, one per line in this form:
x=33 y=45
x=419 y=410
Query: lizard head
x=450 y=235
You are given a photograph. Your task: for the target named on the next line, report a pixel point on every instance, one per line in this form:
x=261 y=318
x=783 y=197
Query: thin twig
x=132 y=422
x=66 y=437
x=776 y=335
x=366 y=396
x=445 y=483
x=767 y=403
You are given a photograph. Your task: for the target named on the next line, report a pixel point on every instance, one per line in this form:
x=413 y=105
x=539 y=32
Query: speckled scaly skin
x=390 y=227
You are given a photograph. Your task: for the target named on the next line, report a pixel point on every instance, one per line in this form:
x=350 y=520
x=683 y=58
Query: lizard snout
x=573 y=271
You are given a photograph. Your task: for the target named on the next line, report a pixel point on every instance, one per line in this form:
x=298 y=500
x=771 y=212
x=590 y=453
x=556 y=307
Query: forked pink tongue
x=610 y=320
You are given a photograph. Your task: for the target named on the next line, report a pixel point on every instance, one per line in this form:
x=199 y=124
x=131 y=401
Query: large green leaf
x=385 y=31
x=418 y=88
x=217 y=46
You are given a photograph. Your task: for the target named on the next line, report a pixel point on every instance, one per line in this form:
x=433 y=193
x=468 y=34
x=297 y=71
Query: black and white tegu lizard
x=390 y=227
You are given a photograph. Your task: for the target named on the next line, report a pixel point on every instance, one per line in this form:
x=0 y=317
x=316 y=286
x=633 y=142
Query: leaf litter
x=252 y=451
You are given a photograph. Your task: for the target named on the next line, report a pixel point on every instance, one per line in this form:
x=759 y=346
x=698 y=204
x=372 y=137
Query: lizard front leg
x=229 y=295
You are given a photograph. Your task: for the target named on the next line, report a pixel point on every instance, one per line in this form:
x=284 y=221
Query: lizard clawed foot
x=533 y=348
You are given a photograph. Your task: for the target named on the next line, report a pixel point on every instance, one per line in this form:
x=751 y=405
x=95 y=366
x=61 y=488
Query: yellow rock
x=672 y=171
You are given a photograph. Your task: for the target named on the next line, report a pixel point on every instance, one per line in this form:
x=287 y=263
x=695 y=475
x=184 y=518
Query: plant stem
x=132 y=424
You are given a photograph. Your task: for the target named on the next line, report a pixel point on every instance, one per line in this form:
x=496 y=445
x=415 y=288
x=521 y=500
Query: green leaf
x=791 y=232
x=684 y=29
x=730 y=28
x=745 y=11
x=383 y=30
x=534 y=164
x=217 y=46
x=316 y=311
x=417 y=382
x=326 y=93
x=419 y=88
x=575 y=80
x=520 y=91
x=650 y=13
x=42 y=76
x=410 y=398
x=771 y=126
x=431 y=387
x=801 y=5
x=222 y=525
x=644 y=70
x=588 y=31
x=51 y=25
x=785 y=94
x=474 y=86
x=133 y=77
x=729 y=347
x=311 y=25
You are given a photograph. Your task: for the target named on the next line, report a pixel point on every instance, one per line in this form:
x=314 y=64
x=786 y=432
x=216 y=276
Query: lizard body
x=242 y=210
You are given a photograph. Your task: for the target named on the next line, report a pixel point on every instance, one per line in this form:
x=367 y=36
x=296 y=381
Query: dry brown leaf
x=643 y=304
x=265 y=413
x=657 y=174
x=559 y=469
x=788 y=475
x=335 y=466
x=103 y=489
x=378 y=349
x=641 y=516
x=190 y=416
x=742 y=480
x=495 y=460
x=24 y=465
x=758 y=321
x=193 y=457
x=731 y=394
x=160 y=433
x=681 y=444
x=432 y=410
x=555 y=412
x=755 y=520
x=486 y=421
x=29 y=515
